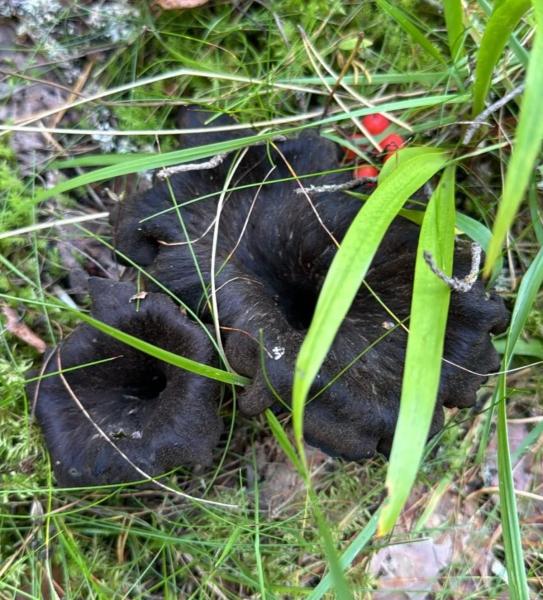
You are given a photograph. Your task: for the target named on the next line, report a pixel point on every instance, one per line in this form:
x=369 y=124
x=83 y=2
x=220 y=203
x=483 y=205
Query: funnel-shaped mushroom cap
x=158 y=415
x=274 y=247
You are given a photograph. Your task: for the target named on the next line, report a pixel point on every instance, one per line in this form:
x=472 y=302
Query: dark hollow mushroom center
x=148 y=386
x=297 y=302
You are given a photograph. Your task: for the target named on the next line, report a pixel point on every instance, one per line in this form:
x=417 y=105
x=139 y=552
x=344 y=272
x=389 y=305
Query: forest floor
x=136 y=542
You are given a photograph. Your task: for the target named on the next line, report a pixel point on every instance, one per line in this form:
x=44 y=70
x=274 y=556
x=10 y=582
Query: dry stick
x=213 y=162
x=214 y=303
x=170 y=75
x=48 y=224
x=342 y=74
x=104 y=436
x=458 y=285
x=75 y=93
x=333 y=187
x=480 y=119
x=310 y=50
x=313 y=208
x=352 y=91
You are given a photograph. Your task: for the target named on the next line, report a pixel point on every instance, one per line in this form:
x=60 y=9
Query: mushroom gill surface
x=158 y=415
x=274 y=247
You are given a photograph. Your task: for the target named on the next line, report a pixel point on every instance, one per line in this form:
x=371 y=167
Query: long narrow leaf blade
x=409 y=27
x=528 y=290
x=349 y=267
x=164 y=355
x=455 y=27
x=428 y=320
x=500 y=26
x=527 y=144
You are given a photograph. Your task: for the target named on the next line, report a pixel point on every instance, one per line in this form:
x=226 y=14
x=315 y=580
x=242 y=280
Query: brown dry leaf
x=180 y=4
x=16 y=327
x=410 y=570
x=279 y=484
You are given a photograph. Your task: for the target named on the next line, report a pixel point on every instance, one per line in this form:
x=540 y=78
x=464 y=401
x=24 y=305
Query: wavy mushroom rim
x=136 y=403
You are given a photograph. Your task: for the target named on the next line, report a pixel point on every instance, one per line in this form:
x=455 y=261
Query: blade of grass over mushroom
x=500 y=26
x=159 y=353
x=529 y=134
x=176 y=157
x=164 y=355
x=422 y=369
x=409 y=27
x=455 y=27
x=528 y=290
x=349 y=267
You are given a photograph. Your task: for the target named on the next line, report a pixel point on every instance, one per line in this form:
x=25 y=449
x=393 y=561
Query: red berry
x=365 y=171
x=349 y=154
x=376 y=123
x=391 y=143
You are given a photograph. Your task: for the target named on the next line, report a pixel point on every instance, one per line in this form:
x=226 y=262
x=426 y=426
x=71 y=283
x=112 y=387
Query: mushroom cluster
x=243 y=249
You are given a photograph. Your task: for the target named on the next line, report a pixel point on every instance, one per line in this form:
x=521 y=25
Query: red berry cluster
x=375 y=124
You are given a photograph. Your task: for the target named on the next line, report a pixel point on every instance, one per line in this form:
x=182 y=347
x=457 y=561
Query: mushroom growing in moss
x=127 y=407
x=273 y=249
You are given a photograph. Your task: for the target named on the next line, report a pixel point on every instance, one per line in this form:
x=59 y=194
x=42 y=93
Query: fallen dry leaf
x=16 y=327
x=410 y=570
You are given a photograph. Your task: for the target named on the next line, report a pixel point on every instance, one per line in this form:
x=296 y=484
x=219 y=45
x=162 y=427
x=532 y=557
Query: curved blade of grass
x=411 y=29
x=528 y=138
x=176 y=157
x=341 y=587
x=349 y=267
x=336 y=576
x=352 y=551
x=428 y=320
x=130 y=340
x=165 y=355
x=518 y=585
x=500 y=26
x=517 y=48
x=455 y=27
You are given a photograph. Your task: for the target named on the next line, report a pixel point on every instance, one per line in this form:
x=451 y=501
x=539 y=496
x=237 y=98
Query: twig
x=213 y=162
x=458 y=285
x=333 y=187
x=17 y=328
x=480 y=119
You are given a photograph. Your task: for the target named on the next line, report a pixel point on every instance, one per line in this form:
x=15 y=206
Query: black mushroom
x=273 y=248
x=130 y=407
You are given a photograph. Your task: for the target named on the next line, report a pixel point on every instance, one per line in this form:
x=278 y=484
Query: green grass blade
x=428 y=320
x=528 y=290
x=352 y=551
x=500 y=26
x=517 y=48
x=336 y=576
x=143 y=162
x=341 y=587
x=130 y=340
x=528 y=138
x=411 y=29
x=280 y=435
x=349 y=267
x=164 y=355
x=455 y=27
